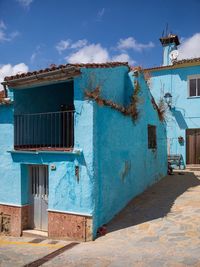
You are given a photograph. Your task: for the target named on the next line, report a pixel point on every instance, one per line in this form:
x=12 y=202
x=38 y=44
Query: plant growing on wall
x=160 y=108
x=147 y=77
x=131 y=110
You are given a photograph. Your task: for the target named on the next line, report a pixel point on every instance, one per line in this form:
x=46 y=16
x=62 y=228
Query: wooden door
x=193 y=146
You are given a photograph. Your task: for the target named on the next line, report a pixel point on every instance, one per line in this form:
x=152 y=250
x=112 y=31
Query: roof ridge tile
x=78 y=65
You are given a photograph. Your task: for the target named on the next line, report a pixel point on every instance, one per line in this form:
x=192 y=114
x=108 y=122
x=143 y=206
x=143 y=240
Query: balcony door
x=39 y=196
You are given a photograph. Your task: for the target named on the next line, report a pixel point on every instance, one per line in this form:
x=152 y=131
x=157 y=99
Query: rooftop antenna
x=167 y=29
x=163 y=32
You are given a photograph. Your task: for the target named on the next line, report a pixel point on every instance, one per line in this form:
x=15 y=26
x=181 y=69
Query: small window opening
x=152 y=143
x=77 y=173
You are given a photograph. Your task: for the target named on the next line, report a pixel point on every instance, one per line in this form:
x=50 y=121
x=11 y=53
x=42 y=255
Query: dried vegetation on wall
x=130 y=110
x=160 y=108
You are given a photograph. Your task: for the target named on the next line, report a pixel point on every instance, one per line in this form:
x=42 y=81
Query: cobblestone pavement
x=161 y=227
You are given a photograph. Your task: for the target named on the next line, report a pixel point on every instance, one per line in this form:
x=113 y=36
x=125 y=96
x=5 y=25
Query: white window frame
x=190 y=77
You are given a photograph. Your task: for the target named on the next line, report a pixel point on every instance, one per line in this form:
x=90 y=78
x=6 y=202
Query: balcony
x=44 y=131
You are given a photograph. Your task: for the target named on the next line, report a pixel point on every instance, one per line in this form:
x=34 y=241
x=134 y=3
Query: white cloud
x=9 y=70
x=63 y=45
x=131 y=43
x=123 y=58
x=25 y=3
x=79 y=44
x=100 y=14
x=12 y=35
x=190 y=47
x=4 y=35
x=36 y=53
x=67 y=44
x=33 y=56
x=2 y=25
x=93 y=53
x=84 y=52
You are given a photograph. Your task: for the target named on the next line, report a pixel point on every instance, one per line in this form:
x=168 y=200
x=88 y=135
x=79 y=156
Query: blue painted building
x=77 y=143
x=180 y=81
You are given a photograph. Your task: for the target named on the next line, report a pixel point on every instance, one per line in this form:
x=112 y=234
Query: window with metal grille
x=194 y=86
x=152 y=143
x=39 y=180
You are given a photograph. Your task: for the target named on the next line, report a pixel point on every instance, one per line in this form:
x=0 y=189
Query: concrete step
x=34 y=233
x=193 y=167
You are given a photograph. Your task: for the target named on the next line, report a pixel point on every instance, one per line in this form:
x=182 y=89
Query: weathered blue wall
x=124 y=166
x=185 y=111
x=66 y=192
x=111 y=79
x=111 y=150
x=10 y=189
x=89 y=80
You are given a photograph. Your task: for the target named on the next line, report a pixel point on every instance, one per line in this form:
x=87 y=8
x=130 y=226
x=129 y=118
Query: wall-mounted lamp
x=53 y=167
x=181 y=140
x=168 y=100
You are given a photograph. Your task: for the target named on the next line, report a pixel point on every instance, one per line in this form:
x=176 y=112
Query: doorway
x=193 y=146
x=39 y=187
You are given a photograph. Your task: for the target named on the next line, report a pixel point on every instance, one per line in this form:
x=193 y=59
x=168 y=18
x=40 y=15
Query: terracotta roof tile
x=54 y=67
x=176 y=64
x=2 y=96
x=189 y=60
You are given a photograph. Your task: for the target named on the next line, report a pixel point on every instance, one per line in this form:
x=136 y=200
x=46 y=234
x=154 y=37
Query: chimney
x=169 y=43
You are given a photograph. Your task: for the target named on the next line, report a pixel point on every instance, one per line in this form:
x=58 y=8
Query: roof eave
x=43 y=78
x=175 y=66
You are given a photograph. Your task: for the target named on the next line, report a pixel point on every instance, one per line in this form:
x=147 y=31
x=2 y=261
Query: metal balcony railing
x=45 y=131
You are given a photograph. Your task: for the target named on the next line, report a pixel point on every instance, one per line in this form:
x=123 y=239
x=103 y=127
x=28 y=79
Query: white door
x=39 y=196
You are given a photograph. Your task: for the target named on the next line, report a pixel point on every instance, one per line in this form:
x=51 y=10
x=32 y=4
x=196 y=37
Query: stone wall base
x=13 y=219
x=69 y=226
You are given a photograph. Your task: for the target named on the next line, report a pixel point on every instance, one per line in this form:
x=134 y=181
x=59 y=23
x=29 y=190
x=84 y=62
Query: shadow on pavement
x=155 y=202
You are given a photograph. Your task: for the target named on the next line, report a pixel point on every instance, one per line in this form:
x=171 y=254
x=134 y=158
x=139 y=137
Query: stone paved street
x=161 y=227
x=16 y=252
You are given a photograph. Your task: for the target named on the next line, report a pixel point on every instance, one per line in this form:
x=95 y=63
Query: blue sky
x=37 y=33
